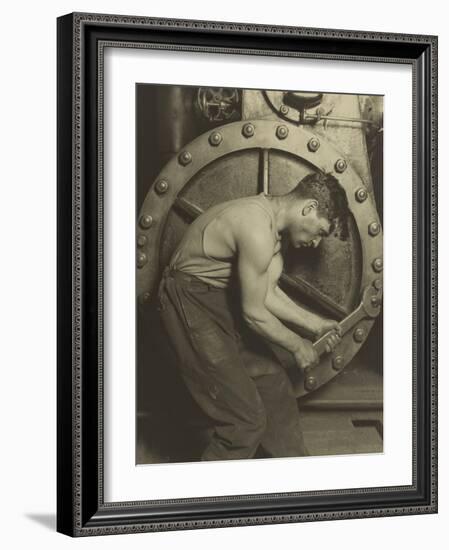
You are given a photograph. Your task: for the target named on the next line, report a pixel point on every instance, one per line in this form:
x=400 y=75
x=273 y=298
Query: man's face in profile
x=307 y=227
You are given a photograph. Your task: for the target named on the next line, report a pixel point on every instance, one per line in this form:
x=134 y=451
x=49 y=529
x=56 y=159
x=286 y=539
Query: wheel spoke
x=302 y=287
x=264 y=183
x=188 y=208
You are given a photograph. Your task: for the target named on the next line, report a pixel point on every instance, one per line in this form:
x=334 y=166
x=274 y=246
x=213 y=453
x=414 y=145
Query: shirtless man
x=221 y=304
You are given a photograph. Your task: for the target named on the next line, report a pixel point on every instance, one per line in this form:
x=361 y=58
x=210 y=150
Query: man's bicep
x=253 y=260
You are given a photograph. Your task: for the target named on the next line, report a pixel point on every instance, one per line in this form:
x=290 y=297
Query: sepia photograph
x=259 y=258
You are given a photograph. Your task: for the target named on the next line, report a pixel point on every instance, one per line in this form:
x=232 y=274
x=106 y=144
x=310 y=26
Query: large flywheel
x=339 y=280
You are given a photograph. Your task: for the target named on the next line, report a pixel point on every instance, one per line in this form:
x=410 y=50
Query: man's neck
x=278 y=206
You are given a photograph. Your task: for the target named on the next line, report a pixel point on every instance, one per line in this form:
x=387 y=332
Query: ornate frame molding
x=81 y=507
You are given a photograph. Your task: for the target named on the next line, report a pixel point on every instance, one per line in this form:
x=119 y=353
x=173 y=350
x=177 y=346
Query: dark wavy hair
x=331 y=198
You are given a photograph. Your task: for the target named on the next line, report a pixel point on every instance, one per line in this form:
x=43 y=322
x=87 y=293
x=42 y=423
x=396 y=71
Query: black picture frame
x=81 y=510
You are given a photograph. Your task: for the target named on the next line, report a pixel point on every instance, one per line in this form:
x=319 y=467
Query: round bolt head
x=374 y=229
x=338 y=362
x=162 y=186
x=284 y=109
x=375 y=301
x=378 y=265
x=185 y=158
x=359 y=335
x=361 y=194
x=146 y=221
x=377 y=284
x=248 y=130
x=141 y=259
x=340 y=165
x=281 y=132
x=141 y=240
x=215 y=138
x=313 y=144
x=310 y=383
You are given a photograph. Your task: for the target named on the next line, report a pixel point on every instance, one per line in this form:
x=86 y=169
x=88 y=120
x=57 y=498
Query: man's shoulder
x=244 y=219
x=250 y=210
x=253 y=228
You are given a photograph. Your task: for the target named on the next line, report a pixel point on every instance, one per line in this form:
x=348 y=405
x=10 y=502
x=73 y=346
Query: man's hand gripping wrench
x=369 y=308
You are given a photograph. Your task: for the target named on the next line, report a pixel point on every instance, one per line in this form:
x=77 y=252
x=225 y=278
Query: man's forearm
x=283 y=307
x=270 y=327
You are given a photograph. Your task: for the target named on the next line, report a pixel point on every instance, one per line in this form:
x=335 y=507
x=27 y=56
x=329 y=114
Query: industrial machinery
x=197 y=147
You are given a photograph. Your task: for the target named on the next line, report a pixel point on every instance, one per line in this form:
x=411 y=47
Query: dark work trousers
x=229 y=370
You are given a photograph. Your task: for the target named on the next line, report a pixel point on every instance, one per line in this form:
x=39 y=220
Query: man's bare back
x=228 y=228
x=209 y=249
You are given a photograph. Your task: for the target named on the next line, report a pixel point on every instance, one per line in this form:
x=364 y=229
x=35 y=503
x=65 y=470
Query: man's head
x=316 y=208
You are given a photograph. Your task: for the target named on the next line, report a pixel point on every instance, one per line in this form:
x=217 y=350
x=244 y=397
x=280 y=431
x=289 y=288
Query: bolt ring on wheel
x=264 y=136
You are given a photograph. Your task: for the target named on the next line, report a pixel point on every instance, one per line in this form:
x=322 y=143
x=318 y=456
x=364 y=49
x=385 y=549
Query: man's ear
x=311 y=204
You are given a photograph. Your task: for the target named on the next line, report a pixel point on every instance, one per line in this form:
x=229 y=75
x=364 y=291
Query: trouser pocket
x=212 y=345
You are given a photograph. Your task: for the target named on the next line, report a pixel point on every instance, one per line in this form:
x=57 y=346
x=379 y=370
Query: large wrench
x=369 y=308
